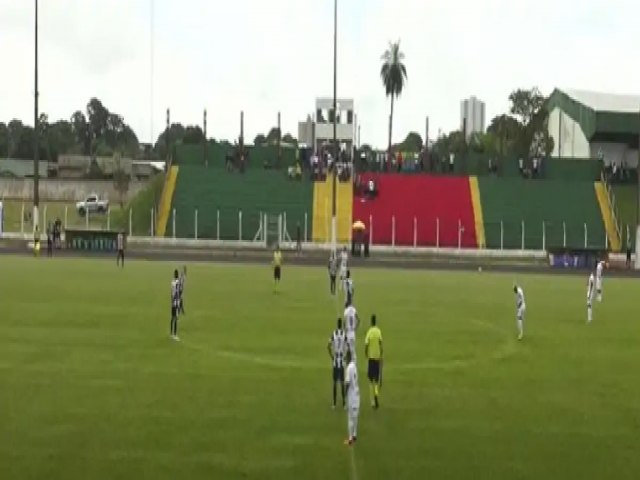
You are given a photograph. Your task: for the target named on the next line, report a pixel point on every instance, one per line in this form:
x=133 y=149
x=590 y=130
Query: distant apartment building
x=317 y=130
x=472 y=116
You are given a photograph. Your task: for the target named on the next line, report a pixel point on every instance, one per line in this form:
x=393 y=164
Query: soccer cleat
x=349 y=441
x=520 y=337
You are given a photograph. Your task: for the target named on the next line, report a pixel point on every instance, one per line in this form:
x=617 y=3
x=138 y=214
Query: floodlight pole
x=335 y=115
x=36 y=132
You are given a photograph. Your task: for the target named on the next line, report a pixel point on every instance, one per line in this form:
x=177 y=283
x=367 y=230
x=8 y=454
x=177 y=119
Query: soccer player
x=175 y=304
x=599 y=269
x=590 y=294
x=520 y=310
x=183 y=276
x=353 y=398
x=333 y=271
x=120 y=242
x=351 y=322
x=344 y=258
x=277 y=267
x=348 y=288
x=373 y=351
x=336 y=347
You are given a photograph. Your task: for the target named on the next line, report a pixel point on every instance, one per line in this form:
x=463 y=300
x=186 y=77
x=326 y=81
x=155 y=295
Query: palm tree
x=394 y=76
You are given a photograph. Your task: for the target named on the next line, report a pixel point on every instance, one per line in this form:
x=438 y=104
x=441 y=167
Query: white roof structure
x=606 y=102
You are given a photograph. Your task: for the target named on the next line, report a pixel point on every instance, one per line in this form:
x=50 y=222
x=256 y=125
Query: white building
x=472 y=116
x=317 y=130
x=590 y=125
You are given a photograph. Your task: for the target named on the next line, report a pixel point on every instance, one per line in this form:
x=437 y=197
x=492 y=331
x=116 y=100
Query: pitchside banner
x=91 y=240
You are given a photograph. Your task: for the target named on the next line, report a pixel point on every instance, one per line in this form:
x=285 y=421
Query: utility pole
x=335 y=117
x=279 y=142
x=167 y=136
x=36 y=134
x=204 y=149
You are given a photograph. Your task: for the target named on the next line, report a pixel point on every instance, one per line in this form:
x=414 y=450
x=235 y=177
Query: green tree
x=394 y=76
x=288 y=139
x=259 y=140
x=4 y=140
x=412 y=143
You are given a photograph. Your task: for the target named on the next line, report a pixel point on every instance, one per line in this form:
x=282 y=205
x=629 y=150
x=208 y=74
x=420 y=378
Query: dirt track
x=319 y=259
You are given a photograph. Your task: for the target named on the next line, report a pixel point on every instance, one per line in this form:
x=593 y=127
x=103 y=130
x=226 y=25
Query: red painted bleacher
x=418 y=203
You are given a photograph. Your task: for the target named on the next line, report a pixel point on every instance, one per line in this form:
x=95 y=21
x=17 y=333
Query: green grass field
x=91 y=387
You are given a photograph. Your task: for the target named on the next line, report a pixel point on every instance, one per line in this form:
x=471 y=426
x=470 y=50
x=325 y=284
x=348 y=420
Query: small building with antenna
x=317 y=129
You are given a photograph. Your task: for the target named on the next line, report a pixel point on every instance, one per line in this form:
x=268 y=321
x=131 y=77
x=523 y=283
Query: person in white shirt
x=344 y=259
x=351 y=322
x=590 y=294
x=353 y=399
x=599 y=268
x=520 y=310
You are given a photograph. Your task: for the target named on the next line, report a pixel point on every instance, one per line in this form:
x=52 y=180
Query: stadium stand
x=442 y=207
x=255 y=192
x=322 y=211
x=554 y=202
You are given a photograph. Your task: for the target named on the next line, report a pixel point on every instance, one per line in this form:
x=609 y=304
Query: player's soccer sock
x=334 y=394
x=520 y=328
x=342 y=391
x=589 y=314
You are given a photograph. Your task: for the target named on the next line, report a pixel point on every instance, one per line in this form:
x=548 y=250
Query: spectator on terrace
x=628 y=253
x=371 y=191
x=521 y=166
x=535 y=167
x=399 y=161
x=451 y=159
x=298 y=239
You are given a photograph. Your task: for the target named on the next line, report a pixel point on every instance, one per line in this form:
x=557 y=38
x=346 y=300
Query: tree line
x=97 y=131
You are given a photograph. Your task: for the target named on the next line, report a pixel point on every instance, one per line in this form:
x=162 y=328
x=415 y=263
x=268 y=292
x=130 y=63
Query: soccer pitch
x=91 y=386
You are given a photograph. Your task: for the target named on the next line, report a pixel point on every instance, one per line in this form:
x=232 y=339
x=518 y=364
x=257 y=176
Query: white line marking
x=354 y=468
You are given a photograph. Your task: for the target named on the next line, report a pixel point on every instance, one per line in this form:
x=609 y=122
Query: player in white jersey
x=348 y=289
x=599 y=269
x=353 y=399
x=337 y=347
x=520 y=310
x=591 y=290
x=344 y=259
x=351 y=322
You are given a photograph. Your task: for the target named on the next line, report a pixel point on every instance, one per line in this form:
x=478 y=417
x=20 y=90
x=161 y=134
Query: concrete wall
x=568 y=138
x=65 y=190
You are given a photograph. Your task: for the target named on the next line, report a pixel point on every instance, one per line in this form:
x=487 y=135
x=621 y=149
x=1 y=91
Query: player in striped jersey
x=520 y=310
x=337 y=347
x=181 y=280
x=175 y=304
x=591 y=289
x=351 y=322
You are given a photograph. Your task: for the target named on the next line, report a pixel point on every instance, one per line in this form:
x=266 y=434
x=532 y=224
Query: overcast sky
x=262 y=56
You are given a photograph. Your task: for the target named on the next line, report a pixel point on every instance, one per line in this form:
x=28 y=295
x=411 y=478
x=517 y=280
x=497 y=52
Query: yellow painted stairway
x=607 y=217
x=165 y=201
x=322 y=202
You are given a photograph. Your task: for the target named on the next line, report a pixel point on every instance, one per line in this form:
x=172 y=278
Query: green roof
x=602 y=116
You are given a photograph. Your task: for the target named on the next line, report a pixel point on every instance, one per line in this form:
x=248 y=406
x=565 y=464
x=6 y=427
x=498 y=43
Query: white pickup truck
x=92 y=204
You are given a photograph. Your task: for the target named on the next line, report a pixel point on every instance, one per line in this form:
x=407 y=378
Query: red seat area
x=422 y=207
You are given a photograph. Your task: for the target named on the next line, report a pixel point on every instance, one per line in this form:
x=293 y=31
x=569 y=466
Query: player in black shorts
x=120 y=257
x=175 y=304
x=337 y=348
x=277 y=267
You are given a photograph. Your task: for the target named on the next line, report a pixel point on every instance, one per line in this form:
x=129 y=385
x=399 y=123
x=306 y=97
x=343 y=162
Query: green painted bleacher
x=552 y=202
x=257 y=191
x=626 y=202
x=258 y=156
